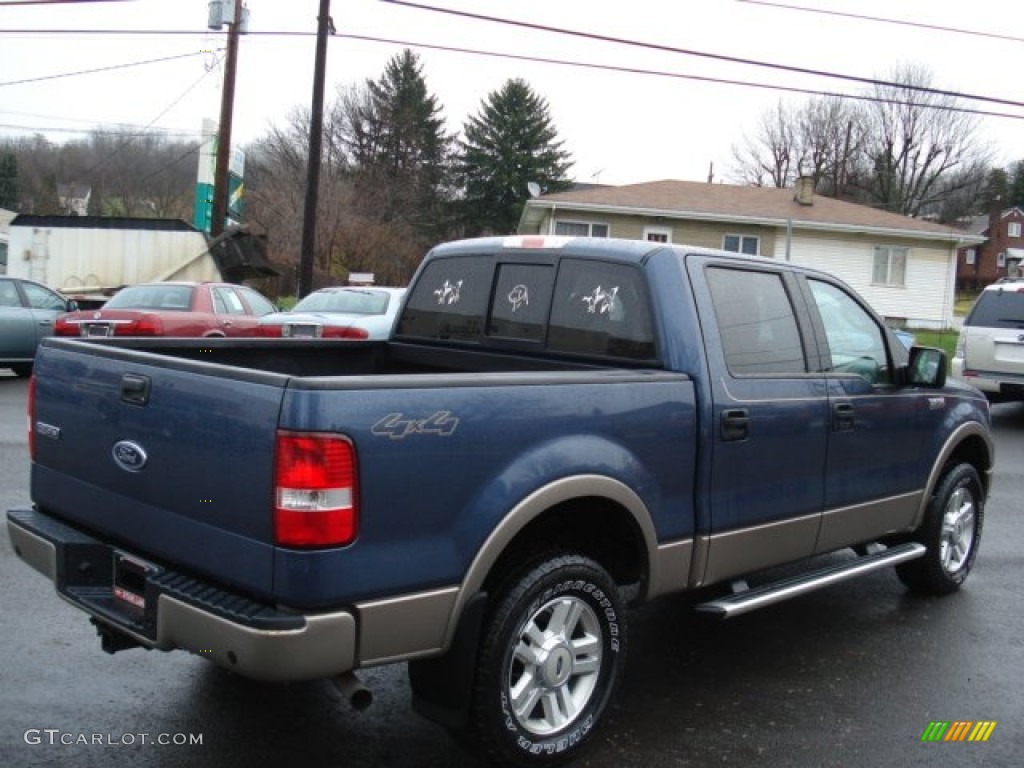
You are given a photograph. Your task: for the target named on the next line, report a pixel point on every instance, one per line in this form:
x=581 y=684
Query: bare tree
x=767 y=158
x=916 y=143
x=820 y=140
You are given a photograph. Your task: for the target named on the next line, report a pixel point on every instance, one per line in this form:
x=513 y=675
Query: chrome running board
x=746 y=600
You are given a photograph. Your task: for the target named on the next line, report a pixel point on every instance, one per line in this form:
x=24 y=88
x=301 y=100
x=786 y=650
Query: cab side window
x=759 y=330
x=856 y=343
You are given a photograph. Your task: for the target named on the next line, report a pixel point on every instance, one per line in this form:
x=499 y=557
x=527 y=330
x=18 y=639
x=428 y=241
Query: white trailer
x=93 y=256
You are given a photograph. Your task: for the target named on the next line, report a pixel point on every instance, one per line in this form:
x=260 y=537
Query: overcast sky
x=620 y=127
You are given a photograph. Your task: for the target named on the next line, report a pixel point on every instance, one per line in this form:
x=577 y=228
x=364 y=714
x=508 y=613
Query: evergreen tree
x=997 y=189
x=9 y=181
x=510 y=143
x=1015 y=192
x=400 y=153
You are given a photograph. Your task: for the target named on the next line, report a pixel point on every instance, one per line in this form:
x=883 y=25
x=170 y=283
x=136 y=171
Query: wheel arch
x=619 y=533
x=969 y=443
x=620 y=537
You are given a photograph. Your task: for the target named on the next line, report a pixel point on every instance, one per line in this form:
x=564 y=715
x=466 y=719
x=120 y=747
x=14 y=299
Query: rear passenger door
x=232 y=317
x=770 y=418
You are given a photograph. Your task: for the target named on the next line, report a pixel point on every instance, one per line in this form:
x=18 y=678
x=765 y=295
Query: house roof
x=672 y=199
x=980 y=225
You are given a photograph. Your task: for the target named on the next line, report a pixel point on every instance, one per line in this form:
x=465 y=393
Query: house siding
x=926 y=299
x=703 y=234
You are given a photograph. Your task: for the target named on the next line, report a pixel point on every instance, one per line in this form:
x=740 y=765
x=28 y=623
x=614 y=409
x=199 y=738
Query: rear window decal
x=601 y=302
x=519 y=297
x=449 y=293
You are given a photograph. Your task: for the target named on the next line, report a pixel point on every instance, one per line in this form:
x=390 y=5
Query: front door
x=873 y=475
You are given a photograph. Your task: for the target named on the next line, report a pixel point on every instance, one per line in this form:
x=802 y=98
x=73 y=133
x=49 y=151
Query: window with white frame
x=581 y=229
x=969 y=257
x=658 y=234
x=890 y=266
x=748 y=244
x=1013 y=229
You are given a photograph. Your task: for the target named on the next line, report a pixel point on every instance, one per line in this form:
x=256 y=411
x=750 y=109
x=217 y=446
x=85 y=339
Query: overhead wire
x=103 y=161
x=699 y=54
x=611 y=68
x=900 y=22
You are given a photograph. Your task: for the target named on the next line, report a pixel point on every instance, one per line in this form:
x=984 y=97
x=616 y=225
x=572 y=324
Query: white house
x=905 y=267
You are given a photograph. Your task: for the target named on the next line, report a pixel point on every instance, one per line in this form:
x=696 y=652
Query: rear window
x=1001 y=308
x=171 y=297
x=354 y=302
x=575 y=306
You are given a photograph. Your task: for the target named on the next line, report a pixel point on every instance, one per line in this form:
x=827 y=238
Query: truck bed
x=204 y=415
x=328 y=357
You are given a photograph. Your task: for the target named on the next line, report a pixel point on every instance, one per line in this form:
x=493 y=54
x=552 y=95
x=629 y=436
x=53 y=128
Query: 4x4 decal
x=398 y=426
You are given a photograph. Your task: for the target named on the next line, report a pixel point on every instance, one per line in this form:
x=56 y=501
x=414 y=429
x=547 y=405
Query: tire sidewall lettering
x=606 y=611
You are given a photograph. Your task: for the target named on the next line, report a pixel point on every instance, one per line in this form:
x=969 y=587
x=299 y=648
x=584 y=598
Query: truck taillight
x=315 y=501
x=32 y=418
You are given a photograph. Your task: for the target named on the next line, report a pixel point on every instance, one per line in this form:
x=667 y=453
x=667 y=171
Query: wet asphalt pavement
x=848 y=676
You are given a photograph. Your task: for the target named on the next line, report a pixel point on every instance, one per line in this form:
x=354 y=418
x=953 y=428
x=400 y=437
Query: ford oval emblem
x=129 y=456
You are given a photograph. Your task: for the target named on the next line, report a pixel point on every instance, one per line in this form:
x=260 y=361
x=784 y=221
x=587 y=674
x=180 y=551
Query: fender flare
x=532 y=507
x=955 y=440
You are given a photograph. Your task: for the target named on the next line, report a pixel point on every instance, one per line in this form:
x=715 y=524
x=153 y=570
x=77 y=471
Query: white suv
x=990 y=351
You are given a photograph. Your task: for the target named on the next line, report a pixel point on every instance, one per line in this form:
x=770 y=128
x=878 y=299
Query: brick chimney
x=804 y=193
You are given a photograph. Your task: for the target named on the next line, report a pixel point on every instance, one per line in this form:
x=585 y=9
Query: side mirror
x=927 y=367
x=72 y=305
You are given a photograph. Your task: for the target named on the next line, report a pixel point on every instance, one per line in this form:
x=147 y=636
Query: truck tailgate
x=172 y=459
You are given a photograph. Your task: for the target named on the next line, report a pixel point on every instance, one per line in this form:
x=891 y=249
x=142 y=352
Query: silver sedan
x=341 y=312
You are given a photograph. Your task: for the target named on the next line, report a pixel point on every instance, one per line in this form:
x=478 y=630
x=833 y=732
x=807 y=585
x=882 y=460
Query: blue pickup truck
x=555 y=430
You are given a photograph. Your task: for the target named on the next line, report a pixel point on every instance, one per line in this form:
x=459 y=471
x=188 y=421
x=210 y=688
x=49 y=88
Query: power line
x=103 y=69
x=98 y=131
x=4 y=3
x=558 y=30
x=679 y=75
x=918 y=24
x=702 y=54
x=639 y=71
x=129 y=140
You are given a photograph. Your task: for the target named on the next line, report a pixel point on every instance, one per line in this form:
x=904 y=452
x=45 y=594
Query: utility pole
x=316 y=125
x=227 y=103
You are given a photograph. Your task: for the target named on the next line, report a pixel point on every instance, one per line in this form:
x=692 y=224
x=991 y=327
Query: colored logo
x=958 y=730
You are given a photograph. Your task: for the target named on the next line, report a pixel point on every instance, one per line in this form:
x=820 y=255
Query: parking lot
x=847 y=676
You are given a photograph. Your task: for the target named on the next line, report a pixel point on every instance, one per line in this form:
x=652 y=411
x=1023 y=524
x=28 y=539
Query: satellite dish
x=533 y=188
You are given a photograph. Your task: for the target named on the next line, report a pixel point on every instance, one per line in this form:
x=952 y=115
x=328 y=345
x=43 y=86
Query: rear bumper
x=996 y=384
x=166 y=610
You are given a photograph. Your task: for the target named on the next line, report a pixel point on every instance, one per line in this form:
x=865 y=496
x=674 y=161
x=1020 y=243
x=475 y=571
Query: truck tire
x=550 y=660
x=951 y=531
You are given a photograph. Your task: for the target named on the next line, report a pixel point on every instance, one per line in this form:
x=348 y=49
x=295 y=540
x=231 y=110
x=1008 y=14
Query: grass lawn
x=945 y=340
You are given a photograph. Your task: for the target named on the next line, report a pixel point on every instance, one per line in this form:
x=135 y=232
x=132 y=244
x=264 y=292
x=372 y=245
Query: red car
x=172 y=309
